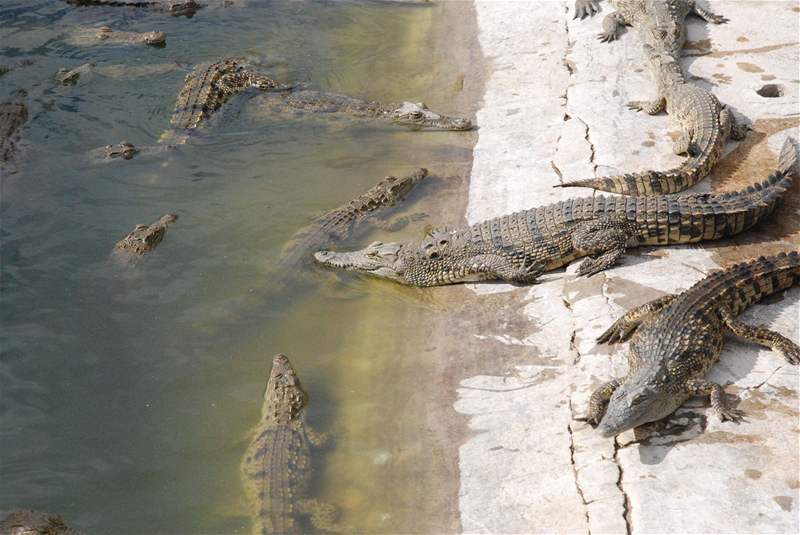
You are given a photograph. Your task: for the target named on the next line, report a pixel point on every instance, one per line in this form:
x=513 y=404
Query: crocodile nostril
x=771 y=91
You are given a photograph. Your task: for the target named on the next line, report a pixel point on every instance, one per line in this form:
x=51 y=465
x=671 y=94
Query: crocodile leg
x=729 y=124
x=707 y=15
x=762 y=336
x=611 y=25
x=585 y=8
x=650 y=107
x=323 y=516
x=605 y=237
x=500 y=267
x=597 y=403
x=700 y=387
x=624 y=327
x=317 y=439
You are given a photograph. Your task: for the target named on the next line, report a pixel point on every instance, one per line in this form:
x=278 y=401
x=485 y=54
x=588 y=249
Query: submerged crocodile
x=142 y=239
x=660 y=23
x=676 y=339
x=517 y=248
x=28 y=522
x=105 y=34
x=337 y=224
x=173 y=7
x=705 y=125
x=405 y=113
x=13 y=114
x=277 y=465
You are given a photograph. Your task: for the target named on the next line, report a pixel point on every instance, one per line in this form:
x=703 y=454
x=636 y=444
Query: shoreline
x=554 y=108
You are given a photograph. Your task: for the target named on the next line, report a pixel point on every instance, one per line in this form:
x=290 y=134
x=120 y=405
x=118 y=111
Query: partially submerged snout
x=155 y=38
x=418 y=114
x=378 y=259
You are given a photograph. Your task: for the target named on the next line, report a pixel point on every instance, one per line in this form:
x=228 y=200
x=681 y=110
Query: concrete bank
x=554 y=108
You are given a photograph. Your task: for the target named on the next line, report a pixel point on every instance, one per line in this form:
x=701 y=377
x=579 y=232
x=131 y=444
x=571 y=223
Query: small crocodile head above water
x=124 y=150
x=418 y=114
x=144 y=238
x=106 y=33
x=284 y=397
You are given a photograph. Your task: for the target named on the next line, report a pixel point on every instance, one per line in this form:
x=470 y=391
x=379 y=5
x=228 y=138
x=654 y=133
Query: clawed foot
x=636 y=105
x=585 y=8
x=529 y=273
x=607 y=37
x=791 y=352
x=728 y=414
x=590 y=267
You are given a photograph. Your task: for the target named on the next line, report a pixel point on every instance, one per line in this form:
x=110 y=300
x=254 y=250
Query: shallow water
x=128 y=395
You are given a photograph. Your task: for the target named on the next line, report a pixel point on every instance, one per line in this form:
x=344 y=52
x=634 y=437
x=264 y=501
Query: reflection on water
x=128 y=396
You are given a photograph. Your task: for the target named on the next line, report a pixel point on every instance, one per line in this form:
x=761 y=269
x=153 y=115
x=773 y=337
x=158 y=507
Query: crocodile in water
x=142 y=239
x=13 y=114
x=415 y=114
x=277 y=465
x=105 y=34
x=517 y=248
x=28 y=522
x=207 y=88
x=704 y=124
x=676 y=339
x=337 y=224
x=173 y=7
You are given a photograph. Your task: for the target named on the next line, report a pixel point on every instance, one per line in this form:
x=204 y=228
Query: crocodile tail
x=643 y=183
x=789 y=159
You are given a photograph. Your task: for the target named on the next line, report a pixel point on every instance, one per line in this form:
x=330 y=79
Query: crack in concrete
x=556 y=169
x=575 y=472
x=626 y=503
x=587 y=137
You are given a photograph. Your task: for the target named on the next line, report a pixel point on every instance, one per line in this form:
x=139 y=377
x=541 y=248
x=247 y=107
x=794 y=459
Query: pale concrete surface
x=554 y=108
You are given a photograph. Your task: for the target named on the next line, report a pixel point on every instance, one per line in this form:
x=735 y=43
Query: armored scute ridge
x=517 y=248
x=207 y=88
x=704 y=124
x=28 y=522
x=676 y=339
x=277 y=465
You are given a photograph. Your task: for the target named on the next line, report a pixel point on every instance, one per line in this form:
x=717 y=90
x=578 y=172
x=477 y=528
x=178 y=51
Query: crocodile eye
x=433 y=256
x=442 y=242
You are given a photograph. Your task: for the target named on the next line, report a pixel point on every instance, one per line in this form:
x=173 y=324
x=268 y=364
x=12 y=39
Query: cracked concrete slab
x=554 y=109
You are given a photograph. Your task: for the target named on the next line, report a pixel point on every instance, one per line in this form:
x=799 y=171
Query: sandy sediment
x=554 y=109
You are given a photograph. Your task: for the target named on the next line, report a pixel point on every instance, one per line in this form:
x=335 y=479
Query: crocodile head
x=636 y=403
x=418 y=114
x=124 y=150
x=182 y=7
x=144 y=238
x=441 y=258
x=284 y=397
x=392 y=189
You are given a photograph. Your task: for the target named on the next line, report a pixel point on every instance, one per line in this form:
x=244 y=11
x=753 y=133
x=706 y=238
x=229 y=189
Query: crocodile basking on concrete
x=142 y=239
x=705 y=125
x=277 y=465
x=28 y=522
x=517 y=248
x=13 y=114
x=337 y=224
x=173 y=7
x=660 y=23
x=676 y=339
x=406 y=113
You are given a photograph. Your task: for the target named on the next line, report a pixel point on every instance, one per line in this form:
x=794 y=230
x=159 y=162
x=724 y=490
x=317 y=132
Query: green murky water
x=127 y=397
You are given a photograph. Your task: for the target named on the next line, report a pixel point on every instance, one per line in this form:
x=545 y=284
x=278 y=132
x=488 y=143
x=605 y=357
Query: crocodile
x=173 y=7
x=676 y=339
x=659 y=23
x=206 y=88
x=105 y=34
x=414 y=114
x=277 y=465
x=517 y=248
x=28 y=522
x=142 y=239
x=13 y=114
x=705 y=125
x=6 y=68
x=71 y=76
x=338 y=223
